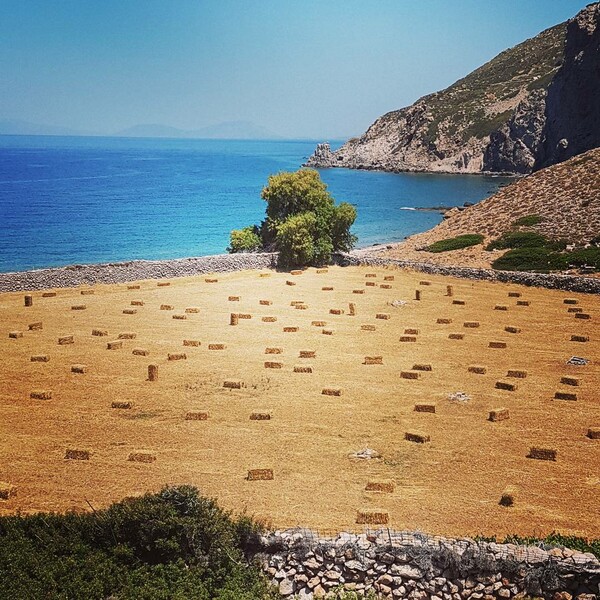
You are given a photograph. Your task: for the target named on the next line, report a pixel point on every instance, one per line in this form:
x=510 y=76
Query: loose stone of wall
x=587 y=285
x=419 y=567
x=134 y=270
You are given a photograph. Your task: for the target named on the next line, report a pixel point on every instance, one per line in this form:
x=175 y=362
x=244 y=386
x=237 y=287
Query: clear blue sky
x=305 y=68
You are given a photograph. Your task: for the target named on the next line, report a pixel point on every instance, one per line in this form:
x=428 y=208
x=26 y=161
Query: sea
x=81 y=200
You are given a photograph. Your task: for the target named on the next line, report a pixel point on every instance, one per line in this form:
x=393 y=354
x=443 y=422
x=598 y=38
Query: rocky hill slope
x=533 y=105
x=565 y=197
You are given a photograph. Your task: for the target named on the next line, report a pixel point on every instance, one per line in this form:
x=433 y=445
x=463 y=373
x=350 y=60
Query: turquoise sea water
x=69 y=200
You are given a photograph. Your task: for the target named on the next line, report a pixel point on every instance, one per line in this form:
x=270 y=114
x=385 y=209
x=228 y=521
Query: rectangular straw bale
x=133 y=287
x=373 y=360
x=369 y=516
x=87 y=292
x=130 y=311
x=471 y=324
x=233 y=299
x=296 y=272
x=272 y=350
x=514 y=294
x=594 y=433
x=322 y=271
x=385 y=286
x=518 y=373
x=418 y=438
x=233 y=384
x=290 y=329
x=506 y=385
x=410 y=374
x=499 y=414
x=127 y=335
x=567 y=380
x=367 y=327
x=327 y=331
x=121 y=405
x=7 y=491
x=244 y=316
x=265 y=302
x=81 y=369
x=66 y=339
x=383 y=316
x=389 y=277
x=78 y=307
x=500 y=307
x=336 y=311
x=523 y=303
x=302 y=369
x=411 y=331
x=319 y=323
x=211 y=280
x=478 y=369
x=192 y=310
x=41 y=395
x=422 y=367
x=307 y=353
x=351 y=309
x=301 y=306
x=456 y=336
x=40 y=358
x=49 y=295
x=137 y=303
x=542 y=453
x=584 y=316
x=565 y=396
x=425 y=408
x=269 y=319
x=424 y=282
x=260 y=475
x=408 y=338
x=358 y=291
x=177 y=356
x=288 y=282
x=459 y=302
x=497 y=345
x=72 y=454
x=140 y=352
x=580 y=338
x=370 y=284
x=570 y=301
x=509 y=496
x=217 y=346
x=380 y=485
x=273 y=365
x=443 y=321
x=331 y=392
x=260 y=416
x=163 y=284
x=327 y=288
x=180 y=317
x=511 y=329
x=141 y=457
x=295 y=302
x=370 y=275
x=15 y=334
x=196 y=416
x=264 y=274
x=574 y=309
x=114 y=345
x=166 y=307
x=35 y=326
x=192 y=343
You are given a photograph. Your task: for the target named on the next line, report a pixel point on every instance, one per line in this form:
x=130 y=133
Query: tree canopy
x=302 y=221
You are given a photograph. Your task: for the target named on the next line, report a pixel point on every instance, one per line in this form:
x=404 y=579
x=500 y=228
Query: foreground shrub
x=244 y=240
x=456 y=243
x=530 y=259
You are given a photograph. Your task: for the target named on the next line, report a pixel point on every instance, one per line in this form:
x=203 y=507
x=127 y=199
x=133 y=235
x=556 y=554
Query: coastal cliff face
x=533 y=105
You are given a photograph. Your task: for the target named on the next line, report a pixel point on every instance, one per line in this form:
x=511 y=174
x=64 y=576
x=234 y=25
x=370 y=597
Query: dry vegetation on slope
x=566 y=196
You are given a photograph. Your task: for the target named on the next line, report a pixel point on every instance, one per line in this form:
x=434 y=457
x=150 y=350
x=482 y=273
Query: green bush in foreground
x=244 y=240
x=528 y=221
x=456 y=243
x=518 y=239
x=174 y=545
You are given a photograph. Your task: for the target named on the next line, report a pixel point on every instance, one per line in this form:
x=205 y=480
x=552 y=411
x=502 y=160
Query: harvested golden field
x=96 y=429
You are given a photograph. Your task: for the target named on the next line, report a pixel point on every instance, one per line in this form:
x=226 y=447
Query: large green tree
x=302 y=221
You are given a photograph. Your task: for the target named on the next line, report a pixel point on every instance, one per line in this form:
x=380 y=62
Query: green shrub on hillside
x=528 y=221
x=539 y=259
x=518 y=239
x=456 y=243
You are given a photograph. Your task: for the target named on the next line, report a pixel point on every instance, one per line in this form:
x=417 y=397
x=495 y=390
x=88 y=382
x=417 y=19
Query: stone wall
x=389 y=564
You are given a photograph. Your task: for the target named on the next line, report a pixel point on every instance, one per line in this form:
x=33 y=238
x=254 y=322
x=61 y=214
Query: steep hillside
x=565 y=197
x=514 y=113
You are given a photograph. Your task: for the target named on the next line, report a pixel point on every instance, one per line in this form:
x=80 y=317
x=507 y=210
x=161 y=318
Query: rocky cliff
x=533 y=105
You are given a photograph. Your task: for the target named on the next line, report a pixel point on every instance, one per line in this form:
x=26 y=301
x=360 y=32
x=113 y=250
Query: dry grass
x=310 y=435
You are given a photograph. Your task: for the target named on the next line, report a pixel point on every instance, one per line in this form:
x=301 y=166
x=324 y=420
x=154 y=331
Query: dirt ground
x=450 y=485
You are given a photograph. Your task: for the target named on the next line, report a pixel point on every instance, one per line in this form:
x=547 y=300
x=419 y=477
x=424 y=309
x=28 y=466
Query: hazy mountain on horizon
x=20 y=127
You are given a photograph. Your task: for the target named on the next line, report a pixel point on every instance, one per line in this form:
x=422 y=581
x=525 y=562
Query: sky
x=318 y=69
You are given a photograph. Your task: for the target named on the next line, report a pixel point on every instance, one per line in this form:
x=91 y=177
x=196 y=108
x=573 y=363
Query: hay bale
x=459 y=302
x=40 y=358
x=72 y=454
x=370 y=284
x=127 y=335
x=565 y=396
x=269 y=319
x=509 y=496
x=233 y=319
x=425 y=408
x=351 y=309
x=296 y=272
x=322 y=271
x=217 y=346
x=456 y=336
x=133 y=287
x=574 y=309
x=28 y=300
x=318 y=323
x=584 y=316
x=383 y=316
x=301 y=306
x=478 y=369
x=594 y=433
x=260 y=416
x=244 y=316
x=99 y=332
x=416 y=437
x=140 y=352
x=260 y=475
x=336 y=311
x=273 y=365
x=371 y=516
x=211 y=280
x=264 y=274
x=196 y=416
x=114 y=345
x=370 y=275
x=233 y=299
x=408 y=338
x=542 y=453
x=307 y=354
x=87 y=292
x=80 y=369
x=192 y=343
x=265 y=302
x=567 y=380
x=180 y=317
x=66 y=339
x=302 y=369
x=327 y=288
x=367 y=327
x=358 y=291
x=411 y=331
x=290 y=329
x=380 y=485
x=385 y=286
x=163 y=283
x=152 y=372
x=141 y=457
x=499 y=414
x=443 y=321
x=233 y=384
x=500 y=307
x=523 y=303
x=422 y=367
x=373 y=360
x=166 y=307
x=331 y=392
x=38 y=326
x=506 y=385
x=177 y=356
x=137 y=303
x=570 y=301
x=425 y=283
x=130 y=311
x=78 y=307
x=272 y=350
x=7 y=491
x=41 y=395
x=192 y=310
x=511 y=329
x=449 y=291
x=580 y=338
x=15 y=334
x=410 y=374
x=288 y=282
x=417 y=294
x=514 y=294
x=497 y=345
x=49 y=295
x=389 y=277
x=121 y=405
x=471 y=324
x=327 y=331
x=518 y=373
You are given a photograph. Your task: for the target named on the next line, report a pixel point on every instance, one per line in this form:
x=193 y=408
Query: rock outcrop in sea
x=532 y=106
